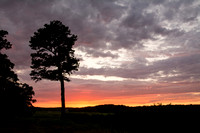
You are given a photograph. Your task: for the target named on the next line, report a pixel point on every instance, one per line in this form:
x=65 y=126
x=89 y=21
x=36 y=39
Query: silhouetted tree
x=54 y=57
x=15 y=97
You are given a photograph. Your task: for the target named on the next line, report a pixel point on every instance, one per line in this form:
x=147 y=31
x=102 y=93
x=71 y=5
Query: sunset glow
x=142 y=100
x=131 y=52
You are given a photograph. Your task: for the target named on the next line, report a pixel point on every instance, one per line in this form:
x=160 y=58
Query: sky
x=132 y=52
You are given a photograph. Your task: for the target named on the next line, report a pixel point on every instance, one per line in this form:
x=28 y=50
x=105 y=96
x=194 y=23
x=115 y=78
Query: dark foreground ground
x=108 y=119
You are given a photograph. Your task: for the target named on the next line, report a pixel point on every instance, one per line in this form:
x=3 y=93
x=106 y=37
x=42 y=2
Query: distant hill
x=110 y=108
x=151 y=109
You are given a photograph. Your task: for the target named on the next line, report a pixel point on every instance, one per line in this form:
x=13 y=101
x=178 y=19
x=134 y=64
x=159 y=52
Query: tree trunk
x=62 y=98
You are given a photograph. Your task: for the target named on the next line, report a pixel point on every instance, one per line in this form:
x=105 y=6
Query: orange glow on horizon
x=140 y=100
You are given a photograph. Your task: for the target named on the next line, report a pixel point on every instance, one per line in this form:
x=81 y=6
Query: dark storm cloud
x=108 y=10
x=87 y=19
x=142 y=22
x=184 y=10
x=124 y=24
x=21 y=18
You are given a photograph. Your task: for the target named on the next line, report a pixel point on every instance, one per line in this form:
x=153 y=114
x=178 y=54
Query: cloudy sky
x=133 y=52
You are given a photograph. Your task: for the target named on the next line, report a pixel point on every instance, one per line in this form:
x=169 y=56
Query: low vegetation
x=106 y=119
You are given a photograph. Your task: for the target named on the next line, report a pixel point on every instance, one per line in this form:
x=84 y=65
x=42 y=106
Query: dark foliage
x=15 y=97
x=4 y=43
x=53 y=58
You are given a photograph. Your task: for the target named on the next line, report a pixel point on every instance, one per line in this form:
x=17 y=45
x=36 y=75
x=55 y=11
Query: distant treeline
x=110 y=108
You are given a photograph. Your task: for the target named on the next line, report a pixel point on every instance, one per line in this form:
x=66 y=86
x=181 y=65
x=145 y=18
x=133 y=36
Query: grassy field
x=50 y=122
x=106 y=119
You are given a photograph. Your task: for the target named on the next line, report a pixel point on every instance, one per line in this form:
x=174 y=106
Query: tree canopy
x=54 y=58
